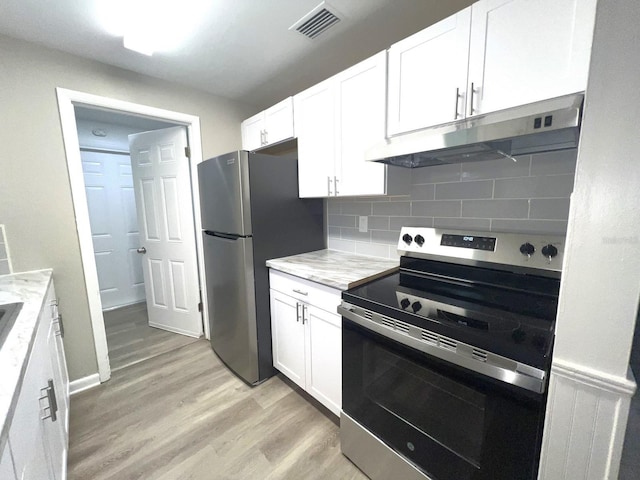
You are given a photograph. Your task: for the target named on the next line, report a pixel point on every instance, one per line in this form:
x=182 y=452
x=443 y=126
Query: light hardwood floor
x=130 y=338
x=183 y=415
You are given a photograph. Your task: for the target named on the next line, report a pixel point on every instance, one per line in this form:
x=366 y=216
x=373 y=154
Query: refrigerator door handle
x=226 y=236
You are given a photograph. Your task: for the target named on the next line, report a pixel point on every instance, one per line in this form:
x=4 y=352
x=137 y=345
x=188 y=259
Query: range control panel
x=519 y=249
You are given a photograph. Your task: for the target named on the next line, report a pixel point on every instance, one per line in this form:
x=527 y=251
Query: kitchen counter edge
x=334 y=268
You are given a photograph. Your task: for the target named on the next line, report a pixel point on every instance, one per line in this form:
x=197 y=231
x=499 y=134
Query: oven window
x=448 y=412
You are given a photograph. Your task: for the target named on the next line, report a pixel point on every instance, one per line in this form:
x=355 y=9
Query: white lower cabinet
x=307 y=336
x=38 y=434
x=7 y=471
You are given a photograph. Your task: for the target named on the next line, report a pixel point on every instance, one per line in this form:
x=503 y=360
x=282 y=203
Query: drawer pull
x=300 y=292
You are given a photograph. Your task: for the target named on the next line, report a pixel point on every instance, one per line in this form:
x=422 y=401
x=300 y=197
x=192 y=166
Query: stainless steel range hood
x=543 y=126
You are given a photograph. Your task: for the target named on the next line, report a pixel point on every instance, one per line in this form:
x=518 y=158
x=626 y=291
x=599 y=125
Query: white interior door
x=162 y=186
x=114 y=227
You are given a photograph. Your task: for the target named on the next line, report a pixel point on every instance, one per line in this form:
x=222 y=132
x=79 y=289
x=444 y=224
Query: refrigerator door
x=232 y=307
x=224 y=193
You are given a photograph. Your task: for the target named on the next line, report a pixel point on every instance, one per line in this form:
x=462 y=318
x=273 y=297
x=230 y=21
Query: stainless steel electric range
x=446 y=362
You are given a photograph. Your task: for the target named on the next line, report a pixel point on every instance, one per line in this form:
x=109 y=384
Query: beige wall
x=35 y=195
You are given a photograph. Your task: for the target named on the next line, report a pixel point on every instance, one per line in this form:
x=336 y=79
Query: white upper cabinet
x=428 y=75
x=268 y=127
x=315 y=125
x=523 y=51
x=337 y=121
x=495 y=54
x=360 y=122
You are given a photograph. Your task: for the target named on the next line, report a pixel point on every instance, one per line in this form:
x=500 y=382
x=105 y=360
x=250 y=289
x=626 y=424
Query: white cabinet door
x=314 y=113
x=324 y=357
x=26 y=433
x=528 y=50
x=58 y=360
x=288 y=338
x=55 y=433
x=428 y=75
x=252 y=132
x=6 y=464
x=360 y=124
x=278 y=122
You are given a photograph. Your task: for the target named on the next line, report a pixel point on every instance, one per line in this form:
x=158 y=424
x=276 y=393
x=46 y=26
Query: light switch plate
x=363 y=223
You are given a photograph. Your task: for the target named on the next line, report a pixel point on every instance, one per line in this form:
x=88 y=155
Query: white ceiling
x=242 y=49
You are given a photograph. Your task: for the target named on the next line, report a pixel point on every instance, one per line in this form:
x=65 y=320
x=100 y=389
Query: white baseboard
x=85 y=383
x=187 y=333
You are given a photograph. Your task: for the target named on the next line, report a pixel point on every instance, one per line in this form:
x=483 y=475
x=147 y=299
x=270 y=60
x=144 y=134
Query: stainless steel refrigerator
x=250 y=213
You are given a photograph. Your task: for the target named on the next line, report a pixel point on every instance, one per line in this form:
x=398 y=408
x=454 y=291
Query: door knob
x=141 y=250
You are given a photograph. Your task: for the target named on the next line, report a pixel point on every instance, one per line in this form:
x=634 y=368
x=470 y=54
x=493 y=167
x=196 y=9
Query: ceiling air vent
x=316 y=22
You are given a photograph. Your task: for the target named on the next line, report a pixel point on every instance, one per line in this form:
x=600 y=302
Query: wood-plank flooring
x=183 y=415
x=130 y=339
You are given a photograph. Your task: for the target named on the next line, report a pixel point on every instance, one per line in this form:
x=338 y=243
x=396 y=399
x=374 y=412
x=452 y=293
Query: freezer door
x=232 y=307
x=224 y=193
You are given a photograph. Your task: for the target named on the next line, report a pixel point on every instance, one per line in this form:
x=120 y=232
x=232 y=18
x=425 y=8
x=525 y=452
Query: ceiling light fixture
x=150 y=26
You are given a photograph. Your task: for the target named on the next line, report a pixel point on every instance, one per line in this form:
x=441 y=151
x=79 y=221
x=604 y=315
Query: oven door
x=449 y=422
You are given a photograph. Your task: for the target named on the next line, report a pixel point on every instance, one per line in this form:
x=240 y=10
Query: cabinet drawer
x=316 y=294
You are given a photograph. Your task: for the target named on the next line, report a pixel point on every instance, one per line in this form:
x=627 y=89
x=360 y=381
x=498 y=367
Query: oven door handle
x=521 y=375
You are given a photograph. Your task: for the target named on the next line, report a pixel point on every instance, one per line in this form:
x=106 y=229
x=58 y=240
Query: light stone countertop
x=334 y=268
x=31 y=289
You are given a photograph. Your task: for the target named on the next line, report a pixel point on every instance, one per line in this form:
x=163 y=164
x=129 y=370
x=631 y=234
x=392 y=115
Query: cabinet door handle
x=455 y=113
x=297 y=312
x=304 y=313
x=335 y=182
x=473 y=91
x=329 y=186
x=301 y=292
x=266 y=137
x=53 y=402
x=58 y=320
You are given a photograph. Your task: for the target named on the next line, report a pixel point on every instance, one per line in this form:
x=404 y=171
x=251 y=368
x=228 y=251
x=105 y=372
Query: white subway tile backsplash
x=527 y=196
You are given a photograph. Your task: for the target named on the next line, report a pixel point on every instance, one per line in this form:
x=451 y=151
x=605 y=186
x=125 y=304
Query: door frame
x=67 y=99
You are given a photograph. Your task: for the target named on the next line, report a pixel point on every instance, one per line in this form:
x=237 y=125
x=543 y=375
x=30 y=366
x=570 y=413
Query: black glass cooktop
x=507 y=314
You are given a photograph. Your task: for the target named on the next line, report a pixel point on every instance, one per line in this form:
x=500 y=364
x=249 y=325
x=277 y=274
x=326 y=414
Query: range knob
x=406 y=238
x=527 y=249
x=416 y=306
x=549 y=251
x=419 y=240
x=404 y=303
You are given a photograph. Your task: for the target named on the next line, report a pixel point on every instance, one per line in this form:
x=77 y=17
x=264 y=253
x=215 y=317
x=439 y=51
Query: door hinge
x=187 y=152
x=200 y=306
